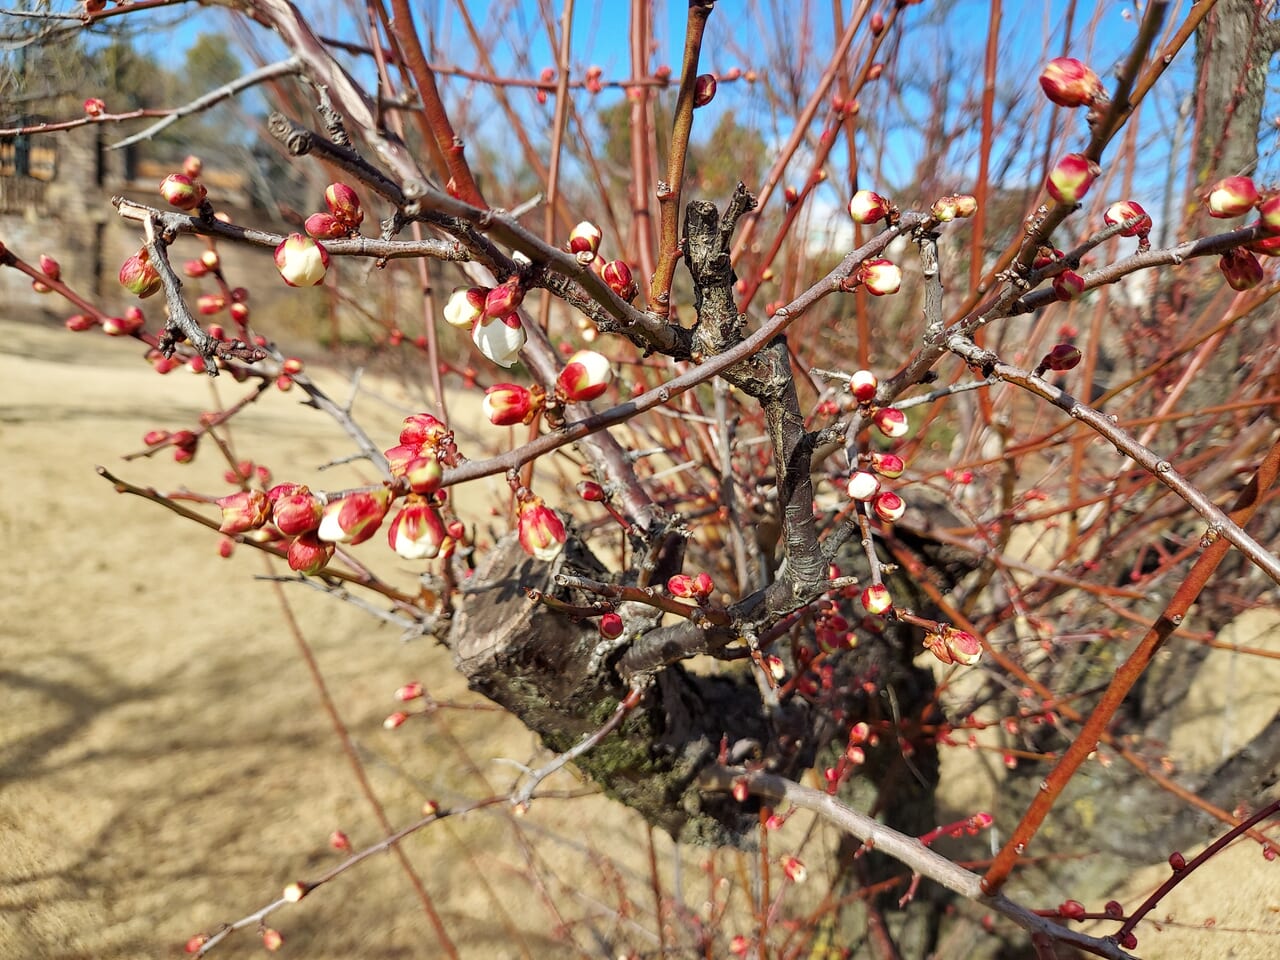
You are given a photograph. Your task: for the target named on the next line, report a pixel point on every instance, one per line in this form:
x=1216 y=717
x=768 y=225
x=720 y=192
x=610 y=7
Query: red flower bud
x=94 y=107
x=246 y=510
x=410 y=691
x=272 y=939
x=417 y=531
x=308 y=554
x=617 y=277
x=1177 y=862
x=192 y=165
x=876 y=599
x=888 y=465
x=1241 y=268
x=1071 y=910
x=344 y=205
x=506 y=404
x=888 y=506
x=355 y=518
x=502 y=299
x=890 y=421
x=611 y=626
x=1068 y=285
x=139 y=277
x=704 y=90
x=584 y=241
x=182 y=191
x=1269 y=211
x=209 y=304
x=1069 y=83
x=863 y=486
x=79 y=322
x=1231 y=197
x=325 y=226
x=1062 y=357
x=1071 y=178
x=863 y=385
x=794 y=869
x=869 y=207
x=585 y=377
x=50 y=267
x=297 y=513
x=425 y=473
x=880 y=277
x=591 y=491
x=1123 y=211
x=541 y=530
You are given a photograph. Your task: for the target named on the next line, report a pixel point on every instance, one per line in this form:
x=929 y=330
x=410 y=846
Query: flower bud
x=425 y=473
x=194 y=268
x=1241 y=268
x=182 y=191
x=506 y=404
x=399 y=457
x=888 y=465
x=1267 y=246
x=50 y=267
x=890 y=421
x=1068 y=285
x=1062 y=357
x=503 y=298
x=1231 y=197
x=617 y=277
x=1123 y=211
x=868 y=207
x=94 y=107
x=950 y=645
x=611 y=626
x=863 y=486
x=422 y=428
x=585 y=377
x=794 y=869
x=1071 y=178
x=880 y=277
x=192 y=165
x=195 y=943
x=325 y=226
x=541 y=530
x=681 y=585
x=592 y=492
x=888 y=506
x=876 y=599
x=410 y=691
x=1071 y=910
x=308 y=554
x=79 y=322
x=395 y=720
x=210 y=259
x=944 y=209
x=704 y=90
x=344 y=205
x=1069 y=83
x=272 y=939
x=209 y=304
x=297 y=513
x=139 y=277
x=863 y=385
x=417 y=531
x=302 y=261
x=584 y=241
x=593 y=82
x=465 y=306
x=355 y=518
x=246 y=510
x=966 y=205
x=499 y=339
x=1269 y=211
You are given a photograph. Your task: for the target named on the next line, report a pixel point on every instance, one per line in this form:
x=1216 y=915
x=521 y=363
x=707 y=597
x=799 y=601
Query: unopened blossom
x=420 y=428
x=584 y=241
x=1128 y=211
x=506 y=404
x=1068 y=285
x=503 y=298
x=246 y=510
x=302 y=261
x=308 y=554
x=125 y=326
x=1231 y=197
x=272 y=939
x=182 y=191
x=465 y=306
x=95 y=107
x=585 y=377
x=500 y=339
x=297 y=513
x=966 y=204
x=794 y=869
x=704 y=89
x=890 y=421
x=425 y=473
x=50 y=267
x=139 y=277
x=1069 y=83
x=355 y=518
x=541 y=531
x=863 y=385
x=950 y=645
x=888 y=465
x=1063 y=357
x=325 y=226
x=1269 y=213
x=395 y=720
x=1071 y=178
x=876 y=599
x=410 y=691
x=344 y=205
x=611 y=626
x=416 y=532
x=617 y=277
x=399 y=457
x=880 y=277
x=863 y=485
x=867 y=206
x=1241 y=269
x=888 y=506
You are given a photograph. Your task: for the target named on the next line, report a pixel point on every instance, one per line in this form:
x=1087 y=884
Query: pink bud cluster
x=696 y=588
x=950 y=645
x=343 y=218
x=1234 y=197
